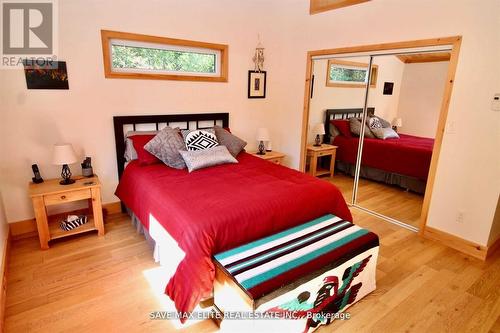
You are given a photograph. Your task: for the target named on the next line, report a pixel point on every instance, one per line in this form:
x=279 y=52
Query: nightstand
x=314 y=153
x=271 y=156
x=50 y=192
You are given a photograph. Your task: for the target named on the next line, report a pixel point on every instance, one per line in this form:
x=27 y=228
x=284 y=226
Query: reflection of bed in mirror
x=403 y=162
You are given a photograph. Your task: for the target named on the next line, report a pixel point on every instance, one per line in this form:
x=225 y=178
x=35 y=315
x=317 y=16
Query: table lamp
x=262 y=135
x=64 y=155
x=318 y=129
x=398 y=122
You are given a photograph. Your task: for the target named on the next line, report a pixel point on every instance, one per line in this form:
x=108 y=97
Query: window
x=349 y=74
x=136 y=56
x=318 y=6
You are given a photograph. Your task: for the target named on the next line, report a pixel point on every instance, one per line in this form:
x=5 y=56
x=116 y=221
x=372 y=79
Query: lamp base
x=317 y=141
x=262 y=149
x=68 y=181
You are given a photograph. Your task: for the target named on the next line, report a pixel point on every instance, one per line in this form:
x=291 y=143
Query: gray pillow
x=130 y=153
x=199 y=159
x=200 y=139
x=166 y=145
x=234 y=144
x=355 y=126
x=385 y=133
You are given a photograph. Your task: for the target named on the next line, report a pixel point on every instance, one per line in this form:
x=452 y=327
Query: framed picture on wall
x=53 y=75
x=256 y=84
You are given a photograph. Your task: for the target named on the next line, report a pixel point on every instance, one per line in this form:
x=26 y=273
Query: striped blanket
x=266 y=264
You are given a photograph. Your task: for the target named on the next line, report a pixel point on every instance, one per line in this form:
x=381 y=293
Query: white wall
x=389 y=69
x=422 y=89
x=4 y=229
x=33 y=120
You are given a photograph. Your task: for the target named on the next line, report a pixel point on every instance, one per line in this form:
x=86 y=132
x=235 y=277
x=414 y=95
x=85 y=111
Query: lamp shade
x=398 y=122
x=263 y=134
x=63 y=154
x=319 y=129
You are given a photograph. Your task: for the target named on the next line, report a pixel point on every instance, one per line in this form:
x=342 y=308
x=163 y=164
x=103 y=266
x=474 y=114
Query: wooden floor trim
x=27 y=228
x=3 y=291
x=492 y=248
x=457 y=243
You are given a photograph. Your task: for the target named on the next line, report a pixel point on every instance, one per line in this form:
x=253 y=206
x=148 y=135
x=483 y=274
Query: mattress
x=218 y=208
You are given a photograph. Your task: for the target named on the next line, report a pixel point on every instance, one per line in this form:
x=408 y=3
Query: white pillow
x=200 y=139
x=199 y=159
x=385 y=133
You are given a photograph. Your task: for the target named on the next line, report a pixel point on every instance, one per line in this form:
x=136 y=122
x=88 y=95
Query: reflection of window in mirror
x=349 y=74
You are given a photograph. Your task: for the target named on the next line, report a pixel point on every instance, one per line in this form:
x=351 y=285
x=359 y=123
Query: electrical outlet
x=450 y=127
x=460 y=217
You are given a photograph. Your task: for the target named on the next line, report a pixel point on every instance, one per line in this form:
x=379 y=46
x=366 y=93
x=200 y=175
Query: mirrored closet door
x=379 y=112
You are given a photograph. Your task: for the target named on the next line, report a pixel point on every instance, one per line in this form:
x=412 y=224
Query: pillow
x=200 y=139
x=143 y=156
x=333 y=130
x=130 y=153
x=355 y=126
x=233 y=144
x=199 y=159
x=385 y=123
x=374 y=123
x=342 y=126
x=166 y=145
x=385 y=133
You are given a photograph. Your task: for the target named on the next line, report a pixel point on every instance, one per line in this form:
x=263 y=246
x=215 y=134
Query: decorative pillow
x=355 y=126
x=199 y=159
x=143 y=156
x=385 y=133
x=234 y=144
x=166 y=145
x=385 y=123
x=200 y=139
x=333 y=130
x=374 y=123
x=130 y=153
x=343 y=126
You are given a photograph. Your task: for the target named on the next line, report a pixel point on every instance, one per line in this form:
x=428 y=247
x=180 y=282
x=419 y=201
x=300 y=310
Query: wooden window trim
x=107 y=35
x=319 y=6
x=374 y=75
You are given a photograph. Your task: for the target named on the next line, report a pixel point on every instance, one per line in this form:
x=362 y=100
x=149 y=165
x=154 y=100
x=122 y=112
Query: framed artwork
x=46 y=76
x=256 y=84
x=388 y=87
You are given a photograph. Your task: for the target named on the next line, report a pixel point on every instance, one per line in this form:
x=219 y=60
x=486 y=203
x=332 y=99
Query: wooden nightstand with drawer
x=314 y=153
x=51 y=193
x=271 y=156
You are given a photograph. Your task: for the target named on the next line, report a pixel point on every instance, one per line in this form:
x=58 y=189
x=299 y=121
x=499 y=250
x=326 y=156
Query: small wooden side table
x=271 y=156
x=314 y=153
x=50 y=192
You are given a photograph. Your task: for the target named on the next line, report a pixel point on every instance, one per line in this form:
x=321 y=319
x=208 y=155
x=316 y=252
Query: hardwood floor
x=111 y=284
x=388 y=200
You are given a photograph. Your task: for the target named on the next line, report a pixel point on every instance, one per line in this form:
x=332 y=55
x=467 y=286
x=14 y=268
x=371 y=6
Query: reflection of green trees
x=164 y=60
x=347 y=74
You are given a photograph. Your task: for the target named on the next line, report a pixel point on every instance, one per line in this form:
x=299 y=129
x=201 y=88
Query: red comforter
x=221 y=207
x=409 y=155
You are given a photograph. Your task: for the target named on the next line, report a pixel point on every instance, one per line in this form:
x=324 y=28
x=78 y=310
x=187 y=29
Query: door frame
x=453 y=41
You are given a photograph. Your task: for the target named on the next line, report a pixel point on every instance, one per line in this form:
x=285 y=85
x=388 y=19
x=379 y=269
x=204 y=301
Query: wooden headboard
x=331 y=114
x=123 y=124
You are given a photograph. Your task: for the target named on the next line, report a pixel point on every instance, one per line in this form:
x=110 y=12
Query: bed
x=214 y=209
x=403 y=162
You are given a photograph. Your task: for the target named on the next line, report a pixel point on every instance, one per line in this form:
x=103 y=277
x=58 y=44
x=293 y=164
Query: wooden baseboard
x=457 y=243
x=27 y=228
x=492 y=248
x=3 y=290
